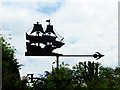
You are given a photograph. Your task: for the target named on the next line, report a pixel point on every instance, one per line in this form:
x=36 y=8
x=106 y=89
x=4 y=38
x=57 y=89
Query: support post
x=57 y=64
x=57 y=86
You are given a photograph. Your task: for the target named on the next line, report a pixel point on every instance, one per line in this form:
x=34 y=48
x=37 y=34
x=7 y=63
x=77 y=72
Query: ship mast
x=48 y=26
x=37 y=33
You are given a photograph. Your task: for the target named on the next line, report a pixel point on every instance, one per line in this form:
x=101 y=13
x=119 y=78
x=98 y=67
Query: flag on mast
x=48 y=21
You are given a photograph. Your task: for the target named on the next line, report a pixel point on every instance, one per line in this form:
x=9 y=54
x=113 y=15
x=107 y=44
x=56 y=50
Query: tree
x=80 y=77
x=117 y=77
x=83 y=76
x=86 y=73
x=55 y=80
x=10 y=67
x=107 y=78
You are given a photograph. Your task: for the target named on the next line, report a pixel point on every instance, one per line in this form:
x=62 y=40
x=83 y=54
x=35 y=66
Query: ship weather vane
x=42 y=42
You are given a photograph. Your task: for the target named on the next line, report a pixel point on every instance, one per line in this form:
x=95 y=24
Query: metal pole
x=57 y=86
x=57 y=64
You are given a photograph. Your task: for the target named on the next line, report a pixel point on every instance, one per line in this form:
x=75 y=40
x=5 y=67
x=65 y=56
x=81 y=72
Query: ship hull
x=41 y=54
x=44 y=39
x=33 y=50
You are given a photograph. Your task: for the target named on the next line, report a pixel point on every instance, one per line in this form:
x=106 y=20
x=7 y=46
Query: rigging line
x=29 y=29
x=44 y=28
x=57 y=33
x=57 y=36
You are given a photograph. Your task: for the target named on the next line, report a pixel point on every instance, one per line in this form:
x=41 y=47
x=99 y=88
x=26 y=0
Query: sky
x=88 y=26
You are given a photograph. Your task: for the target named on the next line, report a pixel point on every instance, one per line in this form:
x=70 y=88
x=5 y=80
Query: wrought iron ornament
x=42 y=42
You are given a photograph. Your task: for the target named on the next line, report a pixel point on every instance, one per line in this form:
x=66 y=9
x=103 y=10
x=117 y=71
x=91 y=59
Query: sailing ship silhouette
x=44 y=42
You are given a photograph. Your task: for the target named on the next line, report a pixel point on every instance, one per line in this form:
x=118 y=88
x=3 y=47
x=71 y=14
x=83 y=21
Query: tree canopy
x=84 y=75
x=10 y=67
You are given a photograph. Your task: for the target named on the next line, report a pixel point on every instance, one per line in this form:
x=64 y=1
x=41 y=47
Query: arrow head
x=97 y=55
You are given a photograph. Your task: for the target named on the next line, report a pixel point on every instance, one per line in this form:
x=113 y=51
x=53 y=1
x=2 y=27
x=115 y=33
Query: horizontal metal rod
x=76 y=55
x=97 y=55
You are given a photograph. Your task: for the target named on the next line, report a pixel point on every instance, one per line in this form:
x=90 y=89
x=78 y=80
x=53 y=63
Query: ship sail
x=49 y=29
x=37 y=28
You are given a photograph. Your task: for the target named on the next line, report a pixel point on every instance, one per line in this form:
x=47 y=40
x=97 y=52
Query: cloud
x=87 y=26
x=42 y=7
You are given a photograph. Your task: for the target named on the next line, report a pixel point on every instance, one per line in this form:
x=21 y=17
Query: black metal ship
x=42 y=42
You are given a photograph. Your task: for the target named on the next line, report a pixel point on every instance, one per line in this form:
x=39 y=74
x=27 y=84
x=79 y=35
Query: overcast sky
x=88 y=26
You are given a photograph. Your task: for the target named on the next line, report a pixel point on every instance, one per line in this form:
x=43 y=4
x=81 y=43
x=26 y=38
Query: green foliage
x=10 y=67
x=55 y=80
x=83 y=76
x=86 y=72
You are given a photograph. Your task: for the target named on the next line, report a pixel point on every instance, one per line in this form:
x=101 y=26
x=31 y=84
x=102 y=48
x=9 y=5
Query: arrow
x=97 y=55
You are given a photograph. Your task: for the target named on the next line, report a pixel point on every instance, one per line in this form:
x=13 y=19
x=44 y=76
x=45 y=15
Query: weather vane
x=42 y=42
